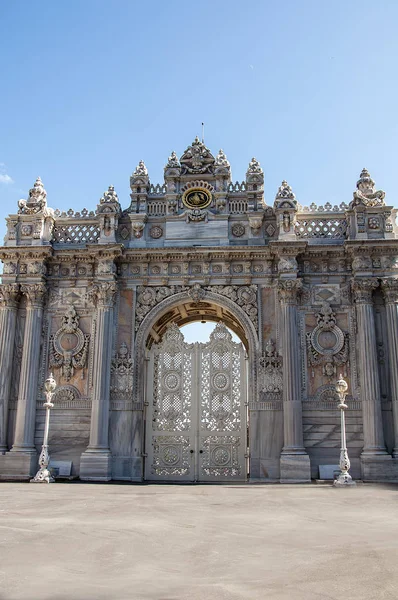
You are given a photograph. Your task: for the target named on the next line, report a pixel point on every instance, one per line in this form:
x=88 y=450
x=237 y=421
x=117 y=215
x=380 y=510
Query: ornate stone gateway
x=196 y=411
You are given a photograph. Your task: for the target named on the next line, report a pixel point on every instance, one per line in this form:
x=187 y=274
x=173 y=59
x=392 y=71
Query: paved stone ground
x=163 y=542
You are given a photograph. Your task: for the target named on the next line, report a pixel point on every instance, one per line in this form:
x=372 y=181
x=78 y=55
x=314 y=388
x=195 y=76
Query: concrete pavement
x=220 y=542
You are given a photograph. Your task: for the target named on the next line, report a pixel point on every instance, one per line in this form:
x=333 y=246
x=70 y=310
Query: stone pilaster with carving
x=285 y=207
x=9 y=295
x=172 y=173
x=294 y=463
x=95 y=462
x=390 y=291
x=108 y=211
x=368 y=214
x=23 y=452
x=374 y=445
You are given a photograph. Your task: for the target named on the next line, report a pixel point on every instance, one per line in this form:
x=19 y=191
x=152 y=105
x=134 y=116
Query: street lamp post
x=43 y=475
x=344 y=478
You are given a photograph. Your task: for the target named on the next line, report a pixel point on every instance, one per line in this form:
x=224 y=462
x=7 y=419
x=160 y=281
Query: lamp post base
x=42 y=476
x=343 y=480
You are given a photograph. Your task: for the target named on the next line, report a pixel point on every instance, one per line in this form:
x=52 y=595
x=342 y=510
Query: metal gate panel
x=170 y=423
x=222 y=416
x=196 y=416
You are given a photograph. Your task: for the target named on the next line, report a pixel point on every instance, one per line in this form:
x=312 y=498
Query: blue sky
x=91 y=87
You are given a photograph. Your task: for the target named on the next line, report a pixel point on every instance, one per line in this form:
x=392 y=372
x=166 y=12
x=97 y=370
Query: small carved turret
x=254 y=185
x=139 y=185
x=108 y=210
x=285 y=207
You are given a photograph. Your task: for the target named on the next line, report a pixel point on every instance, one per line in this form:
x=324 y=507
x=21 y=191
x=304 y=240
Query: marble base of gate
x=295 y=468
x=18 y=465
x=96 y=465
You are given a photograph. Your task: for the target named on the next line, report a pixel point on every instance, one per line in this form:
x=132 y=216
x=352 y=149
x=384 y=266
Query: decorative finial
x=37 y=200
x=254 y=166
x=366 y=193
x=141 y=170
x=285 y=192
x=221 y=159
x=173 y=161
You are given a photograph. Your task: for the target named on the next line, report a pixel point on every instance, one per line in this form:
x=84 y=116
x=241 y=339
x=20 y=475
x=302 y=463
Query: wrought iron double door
x=196 y=409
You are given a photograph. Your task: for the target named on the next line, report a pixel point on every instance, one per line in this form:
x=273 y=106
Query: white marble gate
x=196 y=409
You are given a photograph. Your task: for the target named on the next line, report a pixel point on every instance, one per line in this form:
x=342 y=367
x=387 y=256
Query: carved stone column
x=295 y=462
x=8 y=315
x=95 y=462
x=374 y=448
x=22 y=457
x=390 y=290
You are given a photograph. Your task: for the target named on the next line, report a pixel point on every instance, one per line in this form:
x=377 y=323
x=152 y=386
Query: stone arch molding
x=174 y=300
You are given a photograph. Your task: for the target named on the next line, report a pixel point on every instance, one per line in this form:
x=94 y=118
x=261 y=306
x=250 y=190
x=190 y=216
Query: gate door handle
x=192 y=451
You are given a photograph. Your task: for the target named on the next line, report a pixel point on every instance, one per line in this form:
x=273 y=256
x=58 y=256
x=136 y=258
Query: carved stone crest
x=327 y=345
x=69 y=345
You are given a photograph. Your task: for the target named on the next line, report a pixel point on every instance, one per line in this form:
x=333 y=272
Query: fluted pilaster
x=26 y=410
x=368 y=368
x=8 y=313
x=295 y=465
x=390 y=290
x=95 y=461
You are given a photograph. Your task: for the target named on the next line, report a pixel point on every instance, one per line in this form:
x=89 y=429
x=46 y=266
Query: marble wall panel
x=68 y=435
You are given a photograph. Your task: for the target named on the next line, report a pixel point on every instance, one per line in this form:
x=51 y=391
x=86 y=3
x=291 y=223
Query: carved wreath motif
x=69 y=345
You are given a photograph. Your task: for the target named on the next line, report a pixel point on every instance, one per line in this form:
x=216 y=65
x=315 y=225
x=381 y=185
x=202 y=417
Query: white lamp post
x=43 y=474
x=344 y=478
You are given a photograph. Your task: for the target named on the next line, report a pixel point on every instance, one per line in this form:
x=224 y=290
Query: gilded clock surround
x=197 y=198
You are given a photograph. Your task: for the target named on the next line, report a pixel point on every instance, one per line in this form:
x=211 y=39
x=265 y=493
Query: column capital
x=390 y=289
x=104 y=293
x=9 y=293
x=363 y=288
x=35 y=293
x=288 y=289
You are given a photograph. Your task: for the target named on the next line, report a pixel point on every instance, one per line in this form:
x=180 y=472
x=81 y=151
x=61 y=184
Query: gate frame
x=140 y=352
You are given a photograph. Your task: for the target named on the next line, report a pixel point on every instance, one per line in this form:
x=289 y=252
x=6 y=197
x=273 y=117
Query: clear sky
x=90 y=87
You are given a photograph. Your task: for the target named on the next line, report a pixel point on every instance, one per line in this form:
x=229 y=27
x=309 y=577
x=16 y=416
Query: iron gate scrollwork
x=196 y=417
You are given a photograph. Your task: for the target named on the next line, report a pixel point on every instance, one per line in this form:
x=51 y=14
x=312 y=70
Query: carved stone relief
x=327 y=345
x=270 y=373
x=69 y=346
x=122 y=374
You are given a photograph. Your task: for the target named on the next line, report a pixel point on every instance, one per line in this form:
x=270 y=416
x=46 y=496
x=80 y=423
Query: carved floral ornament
x=35 y=294
x=327 y=345
x=122 y=374
x=363 y=289
x=270 y=372
x=390 y=290
x=244 y=296
x=9 y=293
x=288 y=290
x=103 y=294
x=69 y=345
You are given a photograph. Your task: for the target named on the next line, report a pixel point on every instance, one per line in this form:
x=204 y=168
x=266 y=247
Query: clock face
x=196 y=198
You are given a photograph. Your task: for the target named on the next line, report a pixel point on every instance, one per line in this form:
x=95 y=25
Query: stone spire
x=109 y=201
x=37 y=200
